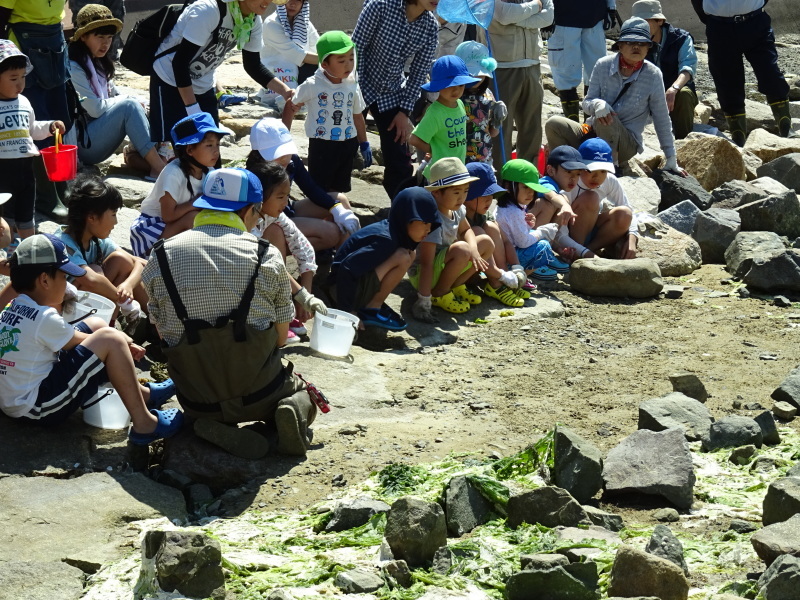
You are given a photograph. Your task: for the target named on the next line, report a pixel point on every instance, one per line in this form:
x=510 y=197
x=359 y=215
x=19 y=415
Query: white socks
x=562 y=239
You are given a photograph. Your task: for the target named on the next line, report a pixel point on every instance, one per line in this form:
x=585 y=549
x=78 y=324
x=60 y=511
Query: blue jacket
x=667 y=60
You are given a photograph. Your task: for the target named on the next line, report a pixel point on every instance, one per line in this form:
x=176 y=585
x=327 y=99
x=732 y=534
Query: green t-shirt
x=39 y=12
x=445 y=129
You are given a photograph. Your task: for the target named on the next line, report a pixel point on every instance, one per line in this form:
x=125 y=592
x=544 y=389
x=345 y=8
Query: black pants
x=167 y=108
x=396 y=156
x=728 y=44
x=16 y=178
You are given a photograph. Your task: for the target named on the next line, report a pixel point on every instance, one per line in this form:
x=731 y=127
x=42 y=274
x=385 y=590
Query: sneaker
x=297 y=327
x=559 y=266
x=385 y=319
x=544 y=274
x=292 y=338
x=528 y=286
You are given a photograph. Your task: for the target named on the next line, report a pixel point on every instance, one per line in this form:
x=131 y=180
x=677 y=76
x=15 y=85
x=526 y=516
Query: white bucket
x=333 y=334
x=89 y=304
x=108 y=412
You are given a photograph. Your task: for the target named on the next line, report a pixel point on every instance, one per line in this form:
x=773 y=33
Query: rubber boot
x=737 y=124
x=292 y=418
x=49 y=193
x=570 y=104
x=780 y=110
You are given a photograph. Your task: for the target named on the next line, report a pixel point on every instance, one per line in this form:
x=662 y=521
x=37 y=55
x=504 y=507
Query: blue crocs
x=170 y=422
x=160 y=393
x=543 y=274
x=559 y=266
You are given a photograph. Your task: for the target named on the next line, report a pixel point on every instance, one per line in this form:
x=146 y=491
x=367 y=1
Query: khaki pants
x=521 y=89
x=561 y=131
x=682 y=114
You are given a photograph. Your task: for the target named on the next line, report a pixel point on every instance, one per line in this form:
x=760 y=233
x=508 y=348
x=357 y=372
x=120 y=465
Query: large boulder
x=52 y=580
x=649 y=462
x=642 y=193
x=714 y=230
x=133 y=189
x=675 y=253
x=780 y=214
x=578 y=465
x=712 y=160
x=772 y=541
x=676 y=411
x=780 y=273
x=636 y=278
x=749 y=247
x=359 y=581
x=781 y=580
x=681 y=216
x=782 y=501
x=785 y=169
x=550 y=506
x=733 y=431
x=464 y=507
x=789 y=389
x=736 y=193
x=675 y=189
x=768 y=146
x=770 y=186
x=415 y=529
x=354 y=513
x=637 y=573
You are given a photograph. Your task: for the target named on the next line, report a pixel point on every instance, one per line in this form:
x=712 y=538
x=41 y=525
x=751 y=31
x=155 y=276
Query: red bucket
x=60 y=161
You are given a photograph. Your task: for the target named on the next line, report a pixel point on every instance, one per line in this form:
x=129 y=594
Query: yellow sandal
x=462 y=293
x=450 y=303
x=505 y=295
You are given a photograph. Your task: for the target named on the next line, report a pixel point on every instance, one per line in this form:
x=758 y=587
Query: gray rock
x=642 y=193
x=776 y=539
x=637 y=573
x=742 y=455
x=781 y=580
x=578 y=465
x=584 y=571
x=676 y=410
x=667 y=515
x=436 y=593
x=794 y=471
x=735 y=193
x=714 y=230
x=663 y=543
x=464 y=507
x=785 y=169
x=749 y=247
x=742 y=526
x=782 y=501
x=358 y=581
x=675 y=253
x=280 y=594
x=688 y=384
x=187 y=561
x=675 y=189
x=780 y=273
x=681 y=216
x=789 y=389
x=649 y=462
x=399 y=571
x=606 y=520
x=769 y=186
x=779 y=214
x=41 y=581
x=198 y=496
x=552 y=584
x=133 y=189
x=733 y=431
x=541 y=562
x=550 y=506
x=354 y=513
x=593 y=532
x=784 y=410
x=672 y=292
x=769 y=429
x=637 y=278
x=415 y=529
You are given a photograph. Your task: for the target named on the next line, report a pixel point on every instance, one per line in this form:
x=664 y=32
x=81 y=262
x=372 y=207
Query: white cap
x=271 y=138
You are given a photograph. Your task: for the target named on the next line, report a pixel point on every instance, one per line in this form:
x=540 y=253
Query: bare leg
x=274 y=235
x=117 y=268
x=456 y=260
x=155 y=162
x=391 y=272
x=543 y=211
x=611 y=226
x=586 y=207
x=322 y=235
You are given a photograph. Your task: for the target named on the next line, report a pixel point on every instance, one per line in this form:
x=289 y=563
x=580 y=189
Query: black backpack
x=139 y=51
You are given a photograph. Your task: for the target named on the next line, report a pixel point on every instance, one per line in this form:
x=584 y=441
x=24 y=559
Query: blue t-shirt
x=549 y=183
x=98 y=252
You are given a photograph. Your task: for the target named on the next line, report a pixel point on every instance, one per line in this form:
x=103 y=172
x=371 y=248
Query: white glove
x=193 y=109
x=345 y=219
x=519 y=271
x=672 y=164
x=509 y=279
x=71 y=293
x=548 y=231
x=603 y=109
x=422 y=309
x=131 y=309
x=310 y=302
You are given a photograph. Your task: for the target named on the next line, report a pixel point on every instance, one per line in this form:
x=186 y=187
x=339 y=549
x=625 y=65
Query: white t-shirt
x=197 y=24
x=30 y=337
x=330 y=106
x=611 y=190
x=19 y=127
x=173 y=181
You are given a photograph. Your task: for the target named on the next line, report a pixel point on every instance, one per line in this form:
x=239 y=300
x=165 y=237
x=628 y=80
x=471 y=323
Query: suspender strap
x=169 y=282
x=240 y=314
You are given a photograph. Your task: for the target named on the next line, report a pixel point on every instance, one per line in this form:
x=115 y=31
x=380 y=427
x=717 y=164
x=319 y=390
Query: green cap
x=333 y=42
x=522 y=171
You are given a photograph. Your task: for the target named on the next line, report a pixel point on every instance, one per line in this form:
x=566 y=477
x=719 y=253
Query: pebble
x=741 y=526
x=766 y=356
x=666 y=515
x=782 y=301
x=784 y=410
x=749 y=344
x=672 y=292
x=479 y=405
x=438 y=440
x=753 y=406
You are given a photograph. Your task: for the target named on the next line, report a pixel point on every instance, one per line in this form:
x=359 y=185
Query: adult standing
x=578 y=41
x=672 y=52
x=388 y=34
x=516 y=45
x=735 y=30
x=183 y=79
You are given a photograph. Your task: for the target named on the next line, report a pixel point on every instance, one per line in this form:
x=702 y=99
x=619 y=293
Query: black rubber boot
x=780 y=110
x=48 y=194
x=570 y=104
x=737 y=126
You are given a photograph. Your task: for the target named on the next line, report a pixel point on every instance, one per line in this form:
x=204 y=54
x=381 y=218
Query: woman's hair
x=79 y=52
x=510 y=198
x=270 y=174
x=89 y=195
x=186 y=162
x=14 y=62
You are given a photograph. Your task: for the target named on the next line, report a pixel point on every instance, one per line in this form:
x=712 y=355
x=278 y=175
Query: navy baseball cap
x=486 y=184
x=597 y=155
x=192 y=129
x=45 y=249
x=229 y=190
x=448 y=71
x=566 y=157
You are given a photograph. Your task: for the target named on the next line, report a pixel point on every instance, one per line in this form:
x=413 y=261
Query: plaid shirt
x=385 y=41
x=212 y=265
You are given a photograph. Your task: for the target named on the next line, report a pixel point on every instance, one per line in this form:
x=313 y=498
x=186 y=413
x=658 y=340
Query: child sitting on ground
x=519 y=226
x=442 y=132
x=335 y=126
x=371 y=263
x=168 y=209
x=49 y=369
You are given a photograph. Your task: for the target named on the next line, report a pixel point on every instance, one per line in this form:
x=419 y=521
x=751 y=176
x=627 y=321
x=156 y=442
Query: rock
x=666 y=515
x=715 y=230
x=133 y=189
x=675 y=189
x=553 y=584
x=676 y=410
x=770 y=186
x=540 y=562
x=751 y=165
x=675 y=253
x=415 y=529
x=769 y=430
x=784 y=410
x=733 y=431
x=578 y=465
x=702 y=113
x=354 y=513
x=781 y=579
x=794 y=471
x=549 y=506
x=750 y=247
x=464 y=507
x=782 y=501
x=637 y=573
x=689 y=384
x=779 y=214
x=789 y=389
x=399 y=571
x=742 y=455
x=189 y=562
x=43 y=581
x=742 y=526
x=768 y=146
x=642 y=193
x=636 y=278
x=240 y=127
x=712 y=160
x=436 y=593
x=672 y=292
x=358 y=581
x=736 y=193
x=198 y=496
x=663 y=543
x=280 y=594
x=680 y=216
x=785 y=169
x=777 y=539
x=604 y=519
x=649 y=462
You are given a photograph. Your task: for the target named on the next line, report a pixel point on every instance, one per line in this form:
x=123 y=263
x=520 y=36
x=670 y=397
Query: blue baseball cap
x=448 y=71
x=596 y=153
x=566 y=157
x=45 y=249
x=486 y=184
x=229 y=190
x=192 y=129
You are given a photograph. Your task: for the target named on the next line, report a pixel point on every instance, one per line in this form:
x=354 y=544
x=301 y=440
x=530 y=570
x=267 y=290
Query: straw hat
x=94 y=16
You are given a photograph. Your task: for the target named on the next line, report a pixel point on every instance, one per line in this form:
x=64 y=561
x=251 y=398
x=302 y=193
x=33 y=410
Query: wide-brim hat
x=91 y=17
x=447 y=172
x=448 y=71
x=192 y=129
x=271 y=139
x=522 y=171
x=229 y=190
x=9 y=49
x=635 y=30
x=485 y=183
x=647 y=9
x=476 y=56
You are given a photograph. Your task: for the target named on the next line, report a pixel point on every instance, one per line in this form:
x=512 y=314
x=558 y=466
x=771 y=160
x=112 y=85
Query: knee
x=485 y=243
x=459 y=251
x=621 y=217
x=587 y=203
x=131 y=105
x=404 y=258
x=95 y=323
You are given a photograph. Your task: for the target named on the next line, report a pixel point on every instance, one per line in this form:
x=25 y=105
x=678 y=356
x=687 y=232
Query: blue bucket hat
x=192 y=129
x=229 y=190
x=567 y=157
x=486 y=185
x=448 y=71
x=596 y=153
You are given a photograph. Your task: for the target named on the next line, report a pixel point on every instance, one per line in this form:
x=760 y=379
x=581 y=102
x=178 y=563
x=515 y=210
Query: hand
x=366 y=153
x=565 y=216
x=310 y=302
x=345 y=219
x=611 y=20
x=672 y=165
x=671 y=93
x=548 y=31
x=124 y=293
x=280 y=88
x=422 y=310
x=629 y=247
x=530 y=219
x=226 y=100
x=137 y=352
x=58 y=126
x=497 y=114
x=402 y=127
x=480 y=263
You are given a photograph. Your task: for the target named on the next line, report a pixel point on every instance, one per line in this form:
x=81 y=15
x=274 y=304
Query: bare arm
x=419 y=144
x=427 y=253
x=172 y=211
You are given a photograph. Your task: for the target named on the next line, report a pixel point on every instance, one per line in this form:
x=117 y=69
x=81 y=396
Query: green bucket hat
x=522 y=171
x=333 y=42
